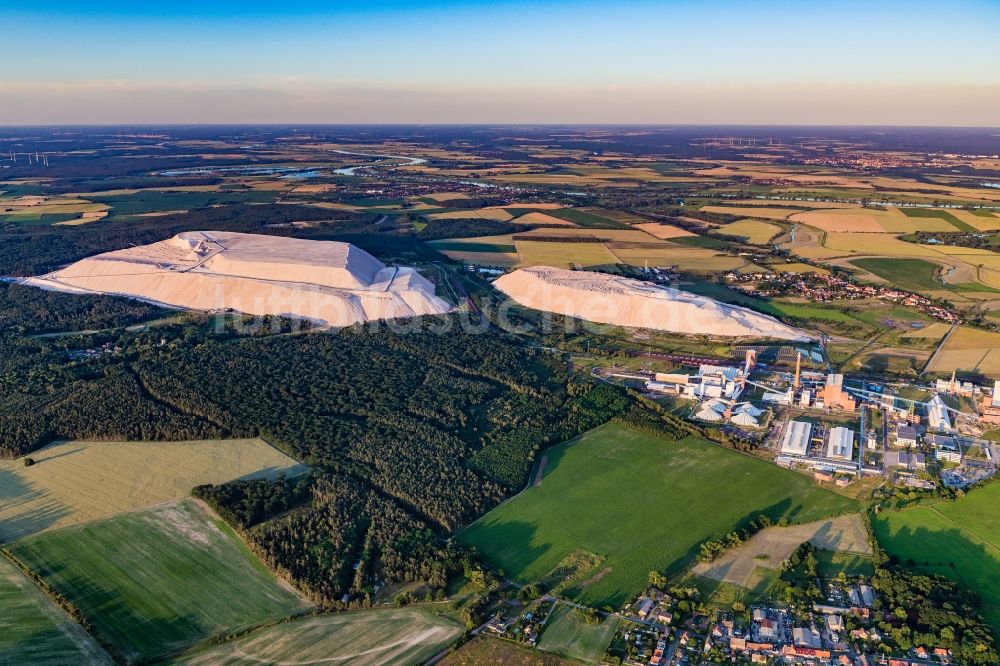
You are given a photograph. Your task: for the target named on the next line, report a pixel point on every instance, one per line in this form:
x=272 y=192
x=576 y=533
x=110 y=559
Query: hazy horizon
x=473 y=62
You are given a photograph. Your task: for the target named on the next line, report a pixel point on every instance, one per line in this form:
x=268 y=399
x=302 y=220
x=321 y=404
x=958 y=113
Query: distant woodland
x=36 y=249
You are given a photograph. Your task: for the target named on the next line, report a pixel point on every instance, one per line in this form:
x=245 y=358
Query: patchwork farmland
x=33 y=630
x=74 y=482
x=173 y=570
x=369 y=638
x=959 y=540
x=591 y=482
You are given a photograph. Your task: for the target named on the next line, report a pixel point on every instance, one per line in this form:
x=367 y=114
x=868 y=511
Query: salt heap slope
x=330 y=283
x=610 y=299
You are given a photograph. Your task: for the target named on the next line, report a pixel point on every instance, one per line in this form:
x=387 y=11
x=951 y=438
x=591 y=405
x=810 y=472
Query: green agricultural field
x=939 y=214
x=33 y=630
x=156 y=581
x=151 y=201
x=805 y=311
x=466 y=246
x=910 y=274
x=398 y=636
x=617 y=493
x=39 y=218
x=568 y=634
x=588 y=219
x=960 y=540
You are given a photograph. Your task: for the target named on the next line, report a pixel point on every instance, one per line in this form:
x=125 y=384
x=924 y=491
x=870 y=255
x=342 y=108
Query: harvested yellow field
x=663 y=231
x=564 y=255
x=314 y=188
x=753 y=211
x=876 y=244
x=758 y=172
x=754 y=231
x=492 y=213
x=542 y=218
x=685 y=258
x=971 y=350
x=933 y=331
x=623 y=235
x=502 y=239
x=869 y=220
x=773 y=545
x=977 y=222
x=25 y=201
x=86 y=218
x=920 y=190
x=69 y=206
x=74 y=482
x=840 y=220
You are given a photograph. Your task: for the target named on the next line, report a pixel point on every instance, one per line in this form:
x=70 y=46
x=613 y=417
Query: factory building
x=710 y=382
x=840 y=444
x=833 y=396
x=945 y=448
x=798 y=434
x=990 y=406
x=938 y=417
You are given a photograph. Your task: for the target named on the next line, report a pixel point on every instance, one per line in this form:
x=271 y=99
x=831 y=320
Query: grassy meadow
x=905 y=273
x=616 y=494
x=156 y=581
x=960 y=540
x=568 y=634
x=397 y=636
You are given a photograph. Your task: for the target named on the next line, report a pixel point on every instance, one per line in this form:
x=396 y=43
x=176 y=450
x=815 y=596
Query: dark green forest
x=410 y=434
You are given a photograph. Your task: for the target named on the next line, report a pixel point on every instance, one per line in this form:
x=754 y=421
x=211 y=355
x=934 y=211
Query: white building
x=938 y=417
x=779 y=398
x=945 y=448
x=798 y=434
x=745 y=419
x=840 y=444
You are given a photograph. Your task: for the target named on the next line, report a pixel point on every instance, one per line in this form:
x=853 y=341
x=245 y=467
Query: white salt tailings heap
x=324 y=281
x=610 y=299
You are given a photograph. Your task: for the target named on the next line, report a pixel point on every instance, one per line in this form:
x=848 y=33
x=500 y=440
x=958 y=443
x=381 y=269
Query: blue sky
x=669 y=61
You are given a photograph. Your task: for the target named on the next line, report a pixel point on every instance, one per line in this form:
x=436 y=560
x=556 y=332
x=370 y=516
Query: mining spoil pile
x=610 y=299
x=329 y=283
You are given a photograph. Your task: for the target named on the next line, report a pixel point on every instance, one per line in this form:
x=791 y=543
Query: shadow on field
x=139 y=628
x=506 y=546
x=953 y=554
x=775 y=512
x=42 y=461
x=25 y=510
